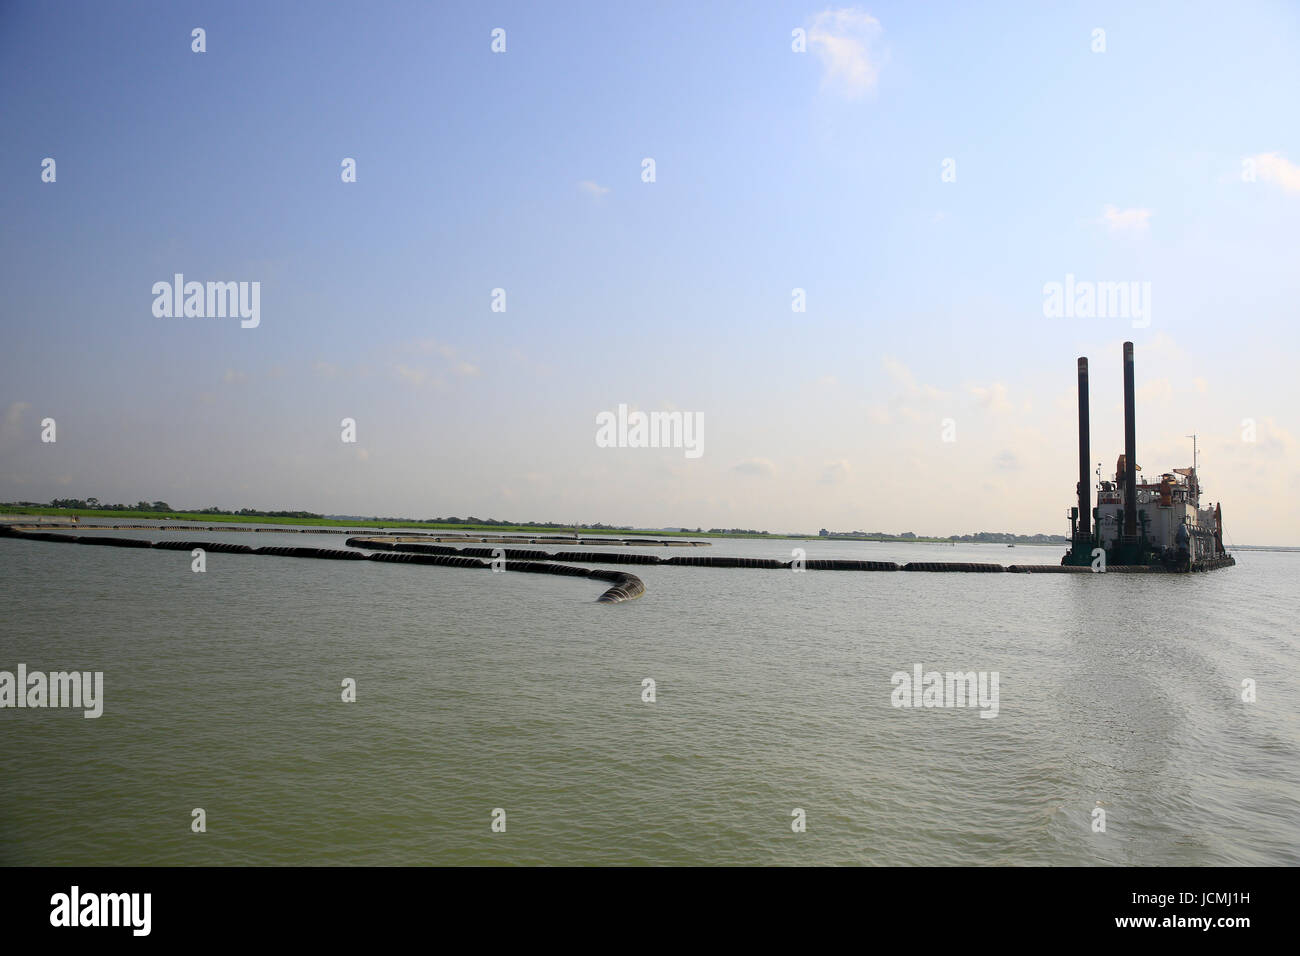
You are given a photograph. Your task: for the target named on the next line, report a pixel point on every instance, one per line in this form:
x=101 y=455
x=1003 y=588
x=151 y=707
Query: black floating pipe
x=1130 y=448
x=1085 y=455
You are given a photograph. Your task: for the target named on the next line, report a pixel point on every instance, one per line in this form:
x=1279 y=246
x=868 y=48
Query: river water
x=773 y=693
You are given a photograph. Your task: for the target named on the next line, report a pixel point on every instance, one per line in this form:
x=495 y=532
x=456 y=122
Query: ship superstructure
x=1159 y=523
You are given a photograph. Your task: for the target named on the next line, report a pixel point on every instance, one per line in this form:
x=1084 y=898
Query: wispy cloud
x=1156 y=390
x=411 y=376
x=430 y=362
x=419 y=377
x=901 y=374
x=1273 y=168
x=593 y=188
x=1133 y=221
x=844 y=40
x=1275 y=439
x=431 y=347
x=993 y=397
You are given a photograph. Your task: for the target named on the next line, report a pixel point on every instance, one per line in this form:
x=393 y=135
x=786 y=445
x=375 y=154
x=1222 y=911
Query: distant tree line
x=980 y=537
x=506 y=523
x=255 y=513
x=882 y=535
x=1003 y=537
x=94 y=504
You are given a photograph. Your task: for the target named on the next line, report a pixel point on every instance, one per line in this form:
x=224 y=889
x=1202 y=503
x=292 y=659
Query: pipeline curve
x=624 y=587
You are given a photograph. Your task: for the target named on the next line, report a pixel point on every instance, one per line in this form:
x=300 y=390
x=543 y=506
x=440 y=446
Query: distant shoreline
x=198 y=516
x=17 y=510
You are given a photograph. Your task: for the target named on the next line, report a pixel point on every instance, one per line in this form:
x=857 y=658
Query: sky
x=922 y=173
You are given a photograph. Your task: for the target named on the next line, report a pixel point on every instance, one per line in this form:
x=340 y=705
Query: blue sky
x=521 y=170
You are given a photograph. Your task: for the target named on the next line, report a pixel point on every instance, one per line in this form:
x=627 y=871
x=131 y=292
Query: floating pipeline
x=500 y=539
x=717 y=561
x=710 y=561
x=436 y=559
x=624 y=586
x=626 y=557
x=838 y=564
x=325 y=553
x=218 y=547
x=947 y=566
x=1048 y=569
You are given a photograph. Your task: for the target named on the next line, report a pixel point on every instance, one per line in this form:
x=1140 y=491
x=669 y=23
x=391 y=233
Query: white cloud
x=1157 y=390
x=593 y=188
x=1272 y=168
x=993 y=397
x=1133 y=221
x=901 y=374
x=843 y=40
x=1276 y=440
x=428 y=346
x=419 y=372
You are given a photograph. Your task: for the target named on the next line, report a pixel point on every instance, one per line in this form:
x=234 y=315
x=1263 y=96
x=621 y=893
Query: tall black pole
x=1130 y=447
x=1085 y=455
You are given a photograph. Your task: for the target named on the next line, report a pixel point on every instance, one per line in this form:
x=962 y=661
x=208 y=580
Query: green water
x=478 y=691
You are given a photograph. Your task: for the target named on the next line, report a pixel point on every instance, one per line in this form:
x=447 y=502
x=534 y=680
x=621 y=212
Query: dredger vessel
x=1157 y=524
